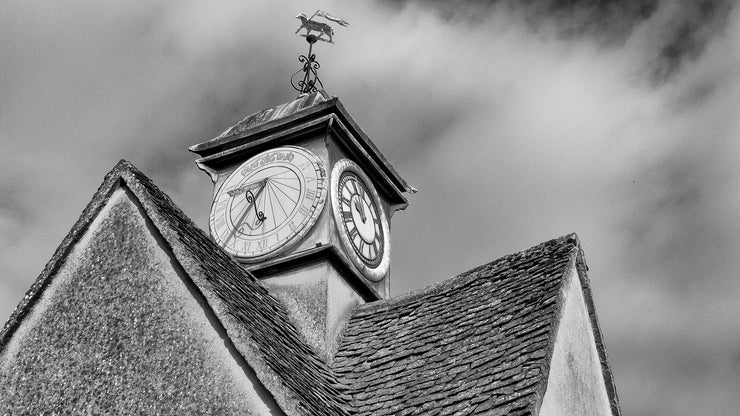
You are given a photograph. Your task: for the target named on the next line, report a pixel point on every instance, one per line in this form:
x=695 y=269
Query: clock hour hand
x=360 y=204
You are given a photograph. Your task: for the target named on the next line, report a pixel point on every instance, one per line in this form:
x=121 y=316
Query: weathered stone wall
x=575 y=386
x=319 y=301
x=122 y=330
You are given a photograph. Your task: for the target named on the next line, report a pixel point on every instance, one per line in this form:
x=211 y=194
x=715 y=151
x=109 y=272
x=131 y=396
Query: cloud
x=519 y=121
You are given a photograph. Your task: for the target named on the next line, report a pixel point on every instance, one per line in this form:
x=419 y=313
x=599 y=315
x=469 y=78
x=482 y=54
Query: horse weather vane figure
x=310 y=66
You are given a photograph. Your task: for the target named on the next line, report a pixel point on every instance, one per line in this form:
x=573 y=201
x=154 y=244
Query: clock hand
x=252 y=199
x=360 y=207
x=253 y=202
x=245 y=188
x=361 y=203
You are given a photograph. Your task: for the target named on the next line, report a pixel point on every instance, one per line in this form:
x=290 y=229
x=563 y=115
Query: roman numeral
x=353 y=233
x=347 y=216
x=310 y=194
x=261 y=244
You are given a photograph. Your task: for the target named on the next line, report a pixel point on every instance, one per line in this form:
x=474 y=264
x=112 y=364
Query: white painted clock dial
x=268 y=203
x=363 y=226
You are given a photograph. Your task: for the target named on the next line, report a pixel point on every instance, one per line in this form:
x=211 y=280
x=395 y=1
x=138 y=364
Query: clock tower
x=303 y=200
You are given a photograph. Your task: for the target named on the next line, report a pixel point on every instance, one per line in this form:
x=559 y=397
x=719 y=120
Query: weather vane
x=310 y=66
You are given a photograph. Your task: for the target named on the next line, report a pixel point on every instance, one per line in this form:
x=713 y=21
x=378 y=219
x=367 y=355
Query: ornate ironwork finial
x=308 y=83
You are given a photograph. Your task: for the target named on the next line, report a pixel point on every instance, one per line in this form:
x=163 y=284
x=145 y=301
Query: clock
x=361 y=221
x=268 y=203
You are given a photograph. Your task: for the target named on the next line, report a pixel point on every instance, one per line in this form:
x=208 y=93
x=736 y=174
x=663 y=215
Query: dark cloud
x=681 y=28
x=687 y=32
x=608 y=21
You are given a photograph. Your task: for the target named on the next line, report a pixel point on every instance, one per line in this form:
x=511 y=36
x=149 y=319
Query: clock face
x=360 y=219
x=269 y=201
x=362 y=223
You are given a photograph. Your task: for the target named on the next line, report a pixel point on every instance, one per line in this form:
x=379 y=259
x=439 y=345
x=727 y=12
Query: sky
x=518 y=121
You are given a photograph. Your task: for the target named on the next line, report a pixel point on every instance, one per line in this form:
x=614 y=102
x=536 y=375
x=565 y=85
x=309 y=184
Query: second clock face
x=269 y=201
x=361 y=219
x=363 y=226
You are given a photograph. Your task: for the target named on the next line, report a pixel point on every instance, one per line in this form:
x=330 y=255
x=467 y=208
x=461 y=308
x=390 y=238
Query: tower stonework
x=303 y=200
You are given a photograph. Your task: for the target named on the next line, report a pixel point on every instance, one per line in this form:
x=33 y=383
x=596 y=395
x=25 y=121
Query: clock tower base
x=338 y=255
x=319 y=291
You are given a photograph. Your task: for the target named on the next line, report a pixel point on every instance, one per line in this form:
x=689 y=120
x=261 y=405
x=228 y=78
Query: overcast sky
x=518 y=122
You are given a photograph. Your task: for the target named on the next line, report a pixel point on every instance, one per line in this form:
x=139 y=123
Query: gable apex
x=585 y=284
x=147 y=341
x=575 y=383
x=87 y=216
x=253 y=319
x=481 y=341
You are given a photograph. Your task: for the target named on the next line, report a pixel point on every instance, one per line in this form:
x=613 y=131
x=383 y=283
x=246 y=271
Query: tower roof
x=281 y=123
x=253 y=121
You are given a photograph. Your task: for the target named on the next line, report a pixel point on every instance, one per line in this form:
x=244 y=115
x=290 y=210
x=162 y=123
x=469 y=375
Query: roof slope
x=478 y=343
x=256 y=321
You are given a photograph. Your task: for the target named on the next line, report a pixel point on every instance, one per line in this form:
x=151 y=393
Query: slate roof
x=479 y=343
x=289 y=368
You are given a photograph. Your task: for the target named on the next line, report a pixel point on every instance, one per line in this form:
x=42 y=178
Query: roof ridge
x=101 y=195
x=461 y=278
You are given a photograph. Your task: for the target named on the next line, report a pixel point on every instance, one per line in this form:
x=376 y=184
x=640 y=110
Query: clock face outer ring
x=378 y=272
x=306 y=224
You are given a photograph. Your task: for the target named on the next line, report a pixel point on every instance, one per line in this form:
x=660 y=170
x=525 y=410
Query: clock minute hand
x=360 y=204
